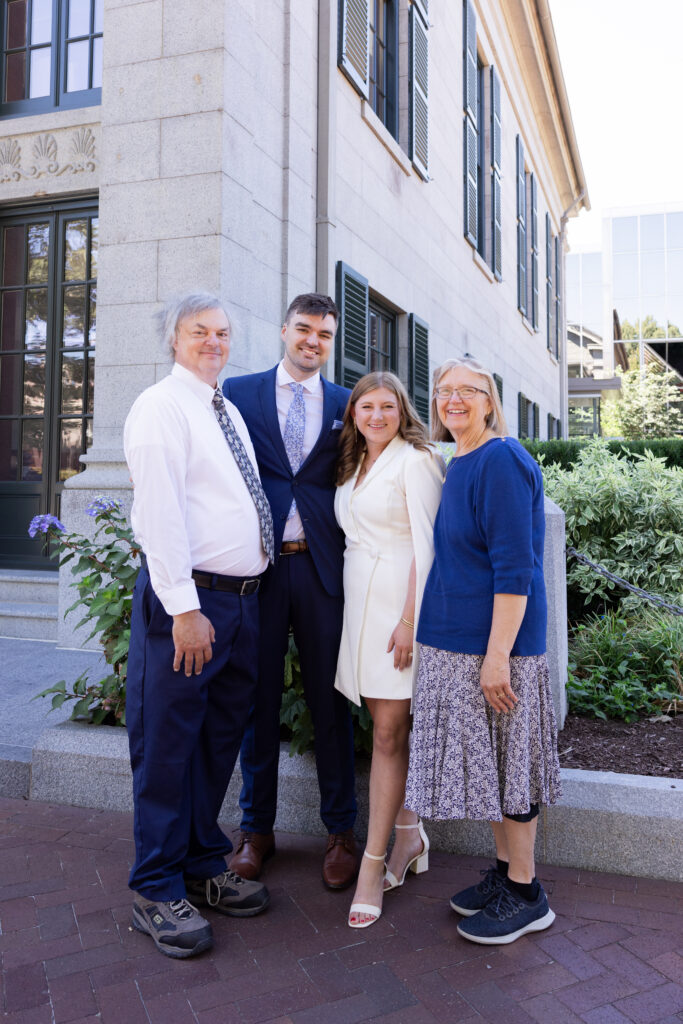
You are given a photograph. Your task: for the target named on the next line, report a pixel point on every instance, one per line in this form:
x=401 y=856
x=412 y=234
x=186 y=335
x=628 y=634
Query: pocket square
x=337 y=424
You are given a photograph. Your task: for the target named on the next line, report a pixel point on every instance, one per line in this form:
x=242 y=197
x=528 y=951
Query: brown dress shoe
x=340 y=866
x=251 y=851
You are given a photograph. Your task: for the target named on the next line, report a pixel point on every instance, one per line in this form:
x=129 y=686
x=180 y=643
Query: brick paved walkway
x=614 y=954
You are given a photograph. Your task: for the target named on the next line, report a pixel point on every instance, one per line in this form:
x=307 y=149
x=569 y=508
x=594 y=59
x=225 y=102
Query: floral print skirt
x=467 y=761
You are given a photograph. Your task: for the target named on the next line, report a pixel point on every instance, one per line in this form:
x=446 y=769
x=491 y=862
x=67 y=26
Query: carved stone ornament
x=45 y=157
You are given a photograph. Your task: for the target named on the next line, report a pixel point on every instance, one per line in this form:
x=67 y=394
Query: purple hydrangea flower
x=102 y=504
x=41 y=524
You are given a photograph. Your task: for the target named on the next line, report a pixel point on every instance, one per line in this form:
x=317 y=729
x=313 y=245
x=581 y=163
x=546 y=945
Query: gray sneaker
x=175 y=926
x=229 y=894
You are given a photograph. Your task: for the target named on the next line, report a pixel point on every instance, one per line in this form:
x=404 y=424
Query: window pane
x=38 y=241
x=12 y=321
x=92 y=329
x=674 y=230
x=15 y=77
x=99 y=7
x=572 y=298
x=652 y=273
x=674 y=272
x=79 y=18
x=625 y=234
x=74 y=317
x=88 y=439
x=36 y=318
x=34 y=385
x=75 y=240
x=591 y=268
x=10 y=385
x=653 y=323
x=91 y=383
x=41 y=21
x=94 y=224
x=652 y=232
x=591 y=311
x=71 y=447
x=16 y=24
x=72 y=384
x=40 y=72
x=674 y=312
x=13 y=255
x=627 y=355
x=77 y=59
x=572 y=269
x=625 y=276
x=9 y=449
x=629 y=314
x=97 y=63
x=32 y=450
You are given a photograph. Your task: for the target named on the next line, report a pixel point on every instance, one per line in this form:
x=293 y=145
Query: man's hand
x=193 y=635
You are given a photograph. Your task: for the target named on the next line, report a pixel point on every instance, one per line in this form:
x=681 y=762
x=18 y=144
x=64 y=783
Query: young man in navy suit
x=294 y=417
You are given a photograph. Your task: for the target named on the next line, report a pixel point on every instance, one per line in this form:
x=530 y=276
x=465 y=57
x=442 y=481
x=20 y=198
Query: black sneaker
x=470 y=901
x=229 y=894
x=507 y=916
x=176 y=927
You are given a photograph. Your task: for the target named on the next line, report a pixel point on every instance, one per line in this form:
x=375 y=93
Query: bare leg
x=407 y=843
x=388 y=771
x=515 y=844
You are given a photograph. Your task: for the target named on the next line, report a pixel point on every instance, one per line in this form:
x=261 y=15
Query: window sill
x=50 y=121
x=483 y=265
x=385 y=137
x=528 y=324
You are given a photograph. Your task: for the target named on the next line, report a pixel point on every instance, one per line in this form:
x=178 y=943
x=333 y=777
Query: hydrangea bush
x=106 y=567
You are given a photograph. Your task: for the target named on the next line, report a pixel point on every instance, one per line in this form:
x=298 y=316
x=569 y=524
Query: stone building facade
x=416 y=159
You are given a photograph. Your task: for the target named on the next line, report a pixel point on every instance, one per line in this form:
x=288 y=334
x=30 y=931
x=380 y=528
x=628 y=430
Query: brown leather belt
x=293 y=547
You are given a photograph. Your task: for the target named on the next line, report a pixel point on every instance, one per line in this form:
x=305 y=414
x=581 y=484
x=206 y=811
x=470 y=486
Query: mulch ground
x=642 y=748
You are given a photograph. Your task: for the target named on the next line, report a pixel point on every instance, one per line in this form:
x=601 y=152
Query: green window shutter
x=352 y=345
x=551 y=426
x=423 y=7
x=534 y=251
x=558 y=429
x=470 y=185
x=419 y=93
x=558 y=296
x=549 y=293
x=521 y=229
x=354 y=43
x=499 y=385
x=418 y=369
x=522 y=415
x=537 y=421
x=469 y=90
x=496 y=193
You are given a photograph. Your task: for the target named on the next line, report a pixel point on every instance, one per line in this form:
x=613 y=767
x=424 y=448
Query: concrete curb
x=626 y=824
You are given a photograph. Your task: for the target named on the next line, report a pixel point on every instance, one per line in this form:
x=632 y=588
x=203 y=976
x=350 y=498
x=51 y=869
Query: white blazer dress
x=387 y=519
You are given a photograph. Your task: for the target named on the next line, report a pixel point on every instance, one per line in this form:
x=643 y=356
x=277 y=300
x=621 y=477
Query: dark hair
x=312 y=304
x=352 y=444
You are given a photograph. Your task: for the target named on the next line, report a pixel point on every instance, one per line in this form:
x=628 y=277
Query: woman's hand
x=494 y=680
x=401 y=643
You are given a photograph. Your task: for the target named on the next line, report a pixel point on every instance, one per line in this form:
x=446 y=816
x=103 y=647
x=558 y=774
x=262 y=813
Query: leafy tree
x=649 y=405
x=647 y=328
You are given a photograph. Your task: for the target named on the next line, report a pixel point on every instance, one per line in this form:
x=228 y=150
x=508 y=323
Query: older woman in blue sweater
x=484 y=736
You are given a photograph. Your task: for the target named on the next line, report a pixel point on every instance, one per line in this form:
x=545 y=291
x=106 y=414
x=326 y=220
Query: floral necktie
x=293 y=434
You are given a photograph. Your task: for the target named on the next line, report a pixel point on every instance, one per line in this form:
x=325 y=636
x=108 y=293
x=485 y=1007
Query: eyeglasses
x=463 y=393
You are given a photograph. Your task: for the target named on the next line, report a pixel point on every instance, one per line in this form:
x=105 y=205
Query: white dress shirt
x=191 y=508
x=313 y=404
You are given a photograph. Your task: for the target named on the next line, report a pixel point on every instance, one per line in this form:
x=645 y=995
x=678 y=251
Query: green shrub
x=626 y=515
x=295 y=718
x=626 y=667
x=566 y=453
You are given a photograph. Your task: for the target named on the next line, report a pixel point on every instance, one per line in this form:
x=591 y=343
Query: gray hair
x=179 y=308
x=495 y=420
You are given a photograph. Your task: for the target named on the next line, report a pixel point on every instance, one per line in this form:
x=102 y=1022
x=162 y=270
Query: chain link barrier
x=659 y=601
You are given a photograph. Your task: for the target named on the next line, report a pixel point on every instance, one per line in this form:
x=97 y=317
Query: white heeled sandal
x=366 y=908
x=417 y=865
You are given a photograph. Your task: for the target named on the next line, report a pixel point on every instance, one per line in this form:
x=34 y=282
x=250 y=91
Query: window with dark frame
x=383 y=62
x=381 y=337
x=481 y=160
x=52 y=55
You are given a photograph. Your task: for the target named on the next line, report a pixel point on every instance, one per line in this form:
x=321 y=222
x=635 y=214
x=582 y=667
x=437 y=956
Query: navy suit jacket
x=314 y=484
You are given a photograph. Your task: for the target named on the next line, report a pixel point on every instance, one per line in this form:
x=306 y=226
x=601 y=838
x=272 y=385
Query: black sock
x=502 y=867
x=528 y=892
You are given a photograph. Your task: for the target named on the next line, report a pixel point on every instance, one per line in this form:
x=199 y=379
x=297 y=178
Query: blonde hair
x=352 y=443
x=495 y=419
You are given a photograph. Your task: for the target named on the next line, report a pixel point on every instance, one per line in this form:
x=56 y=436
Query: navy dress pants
x=184 y=735
x=292 y=593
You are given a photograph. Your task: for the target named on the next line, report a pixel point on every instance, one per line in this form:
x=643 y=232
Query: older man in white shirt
x=204 y=524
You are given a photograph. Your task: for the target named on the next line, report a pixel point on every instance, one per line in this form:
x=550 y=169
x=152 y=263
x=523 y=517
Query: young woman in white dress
x=388 y=490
